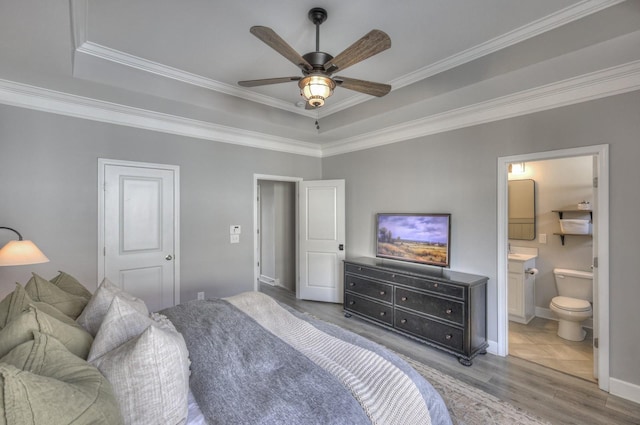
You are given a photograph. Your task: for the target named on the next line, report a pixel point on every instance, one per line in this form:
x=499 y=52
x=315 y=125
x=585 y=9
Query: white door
x=321 y=240
x=140 y=223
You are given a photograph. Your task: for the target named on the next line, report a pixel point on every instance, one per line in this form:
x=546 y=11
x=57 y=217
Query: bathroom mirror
x=522 y=209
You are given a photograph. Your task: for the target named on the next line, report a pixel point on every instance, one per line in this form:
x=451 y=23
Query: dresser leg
x=465 y=362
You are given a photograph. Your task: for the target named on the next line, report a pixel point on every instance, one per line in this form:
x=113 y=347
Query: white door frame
x=601 y=153
x=102 y=163
x=256 y=224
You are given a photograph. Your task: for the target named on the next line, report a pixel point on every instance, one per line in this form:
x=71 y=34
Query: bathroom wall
x=560 y=184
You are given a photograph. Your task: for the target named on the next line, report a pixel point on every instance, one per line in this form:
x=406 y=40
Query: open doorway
x=540 y=193
x=599 y=252
x=275 y=243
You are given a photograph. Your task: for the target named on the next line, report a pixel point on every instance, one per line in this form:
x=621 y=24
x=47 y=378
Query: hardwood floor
x=547 y=393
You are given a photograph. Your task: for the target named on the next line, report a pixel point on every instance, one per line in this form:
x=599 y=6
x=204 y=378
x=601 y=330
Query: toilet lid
x=571 y=304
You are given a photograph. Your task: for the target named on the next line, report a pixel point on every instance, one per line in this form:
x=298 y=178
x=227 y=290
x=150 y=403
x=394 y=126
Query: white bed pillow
x=96 y=309
x=147 y=364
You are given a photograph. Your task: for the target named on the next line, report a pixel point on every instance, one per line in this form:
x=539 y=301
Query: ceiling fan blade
x=367 y=87
x=267 y=81
x=273 y=40
x=374 y=42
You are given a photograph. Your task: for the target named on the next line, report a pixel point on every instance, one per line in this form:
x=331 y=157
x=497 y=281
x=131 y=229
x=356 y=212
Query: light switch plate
x=542 y=238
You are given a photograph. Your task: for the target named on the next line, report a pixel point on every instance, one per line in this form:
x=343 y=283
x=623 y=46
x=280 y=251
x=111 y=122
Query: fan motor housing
x=317 y=59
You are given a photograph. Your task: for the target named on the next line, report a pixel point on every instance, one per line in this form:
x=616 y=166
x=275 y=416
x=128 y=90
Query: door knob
x=168 y=257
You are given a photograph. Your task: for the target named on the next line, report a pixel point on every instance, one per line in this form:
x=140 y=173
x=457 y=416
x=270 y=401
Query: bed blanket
x=255 y=361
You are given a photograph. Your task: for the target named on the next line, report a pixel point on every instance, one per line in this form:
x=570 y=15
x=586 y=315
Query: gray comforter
x=254 y=361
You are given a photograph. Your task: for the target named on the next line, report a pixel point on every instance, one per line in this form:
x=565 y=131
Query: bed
x=245 y=359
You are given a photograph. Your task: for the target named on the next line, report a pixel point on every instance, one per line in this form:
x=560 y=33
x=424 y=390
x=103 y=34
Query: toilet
x=573 y=303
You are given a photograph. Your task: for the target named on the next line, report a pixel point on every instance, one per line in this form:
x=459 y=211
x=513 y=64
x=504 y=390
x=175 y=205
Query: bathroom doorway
x=538 y=337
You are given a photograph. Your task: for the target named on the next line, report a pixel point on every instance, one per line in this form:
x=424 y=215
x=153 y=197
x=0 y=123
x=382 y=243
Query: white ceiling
x=184 y=58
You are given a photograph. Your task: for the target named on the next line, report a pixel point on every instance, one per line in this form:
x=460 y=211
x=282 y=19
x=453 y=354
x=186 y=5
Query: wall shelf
x=573 y=211
x=561 y=212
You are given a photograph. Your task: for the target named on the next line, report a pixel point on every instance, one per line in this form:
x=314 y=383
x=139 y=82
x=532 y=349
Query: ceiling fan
x=317 y=67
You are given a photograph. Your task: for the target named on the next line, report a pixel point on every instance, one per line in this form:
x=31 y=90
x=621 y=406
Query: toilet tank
x=574 y=283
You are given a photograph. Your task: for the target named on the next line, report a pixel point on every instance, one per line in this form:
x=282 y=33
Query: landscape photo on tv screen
x=418 y=238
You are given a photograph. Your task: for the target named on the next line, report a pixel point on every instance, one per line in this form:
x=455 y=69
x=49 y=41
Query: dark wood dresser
x=439 y=307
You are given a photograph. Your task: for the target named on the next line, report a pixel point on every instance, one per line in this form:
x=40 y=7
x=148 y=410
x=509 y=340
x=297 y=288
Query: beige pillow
x=43 y=383
x=40 y=289
x=70 y=284
x=97 y=307
x=147 y=364
x=21 y=328
x=18 y=301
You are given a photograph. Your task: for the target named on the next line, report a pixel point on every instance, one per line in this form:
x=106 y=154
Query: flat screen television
x=423 y=238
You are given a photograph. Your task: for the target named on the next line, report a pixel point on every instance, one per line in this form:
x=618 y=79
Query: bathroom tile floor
x=539 y=343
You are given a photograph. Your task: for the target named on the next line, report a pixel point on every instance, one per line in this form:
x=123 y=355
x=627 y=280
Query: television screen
x=417 y=238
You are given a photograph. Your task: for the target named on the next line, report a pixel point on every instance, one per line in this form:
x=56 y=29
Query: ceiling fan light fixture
x=316 y=88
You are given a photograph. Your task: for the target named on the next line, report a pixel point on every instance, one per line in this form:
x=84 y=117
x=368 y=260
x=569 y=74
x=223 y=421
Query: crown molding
x=79 y=13
x=41 y=99
x=595 y=85
x=141 y=64
x=609 y=82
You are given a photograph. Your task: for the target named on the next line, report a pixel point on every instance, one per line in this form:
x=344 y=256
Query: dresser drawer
x=433 y=331
x=377 y=290
x=372 y=309
x=431 y=305
x=408 y=280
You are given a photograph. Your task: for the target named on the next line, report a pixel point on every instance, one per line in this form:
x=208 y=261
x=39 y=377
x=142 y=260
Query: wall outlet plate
x=235 y=229
x=201 y=295
x=234 y=238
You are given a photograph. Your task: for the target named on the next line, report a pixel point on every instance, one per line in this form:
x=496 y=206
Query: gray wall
x=48 y=179
x=48 y=191
x=456 y=172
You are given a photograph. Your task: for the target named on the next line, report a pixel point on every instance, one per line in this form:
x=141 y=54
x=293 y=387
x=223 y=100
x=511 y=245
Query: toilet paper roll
x=532 y=271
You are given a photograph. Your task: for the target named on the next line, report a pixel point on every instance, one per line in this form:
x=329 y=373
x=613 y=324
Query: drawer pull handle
x=403 y=298
x=359 y=268
x=448 y=311
x=393 y=276
x=435 y=285
x=382 y=313
x=352 y=302
x=352 y=284
x=382 y=292
x=403 y=321
x=449 y=336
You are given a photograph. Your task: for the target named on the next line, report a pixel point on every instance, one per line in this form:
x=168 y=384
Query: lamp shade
x=19 y=253
x=316 y=88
